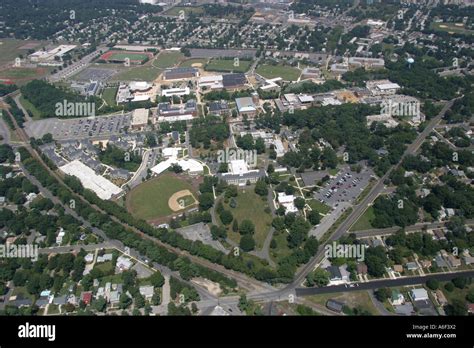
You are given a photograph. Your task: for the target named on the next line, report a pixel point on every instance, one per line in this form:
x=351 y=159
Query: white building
x=419 y=294
x=171 y=92
x=103 y=188
x=287 y=201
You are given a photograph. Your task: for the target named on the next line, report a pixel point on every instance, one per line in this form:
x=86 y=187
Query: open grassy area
x=22 y=75
x=282 y=249
x=32 y=111
x=227 y=65
x=141 y=73
x=177 y=10
x=364 y=222
x=287 y=73
x=318 y=206
x=109 y=95
x=251 y=207
x=351 y=299
x=167 y=59
x=188 y=63
x=452 y=28
x=150 y=199
x=11 y=49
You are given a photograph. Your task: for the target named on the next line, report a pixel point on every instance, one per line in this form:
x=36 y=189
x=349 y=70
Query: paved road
x=384 y=283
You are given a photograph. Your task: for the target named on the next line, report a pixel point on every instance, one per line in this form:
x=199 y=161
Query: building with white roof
x=287 y=201
x=382 y=87
x=102 y=187
x=211 y=81
x=419 y=294
x=246 y=106
x=171 y=92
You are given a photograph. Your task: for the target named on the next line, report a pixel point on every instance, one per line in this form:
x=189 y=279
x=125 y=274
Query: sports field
x=122 y=56
x=452 y=28
x=227 y=65
x=287 y=73
x=193 y=62
x=152 y=199
x=137 y=73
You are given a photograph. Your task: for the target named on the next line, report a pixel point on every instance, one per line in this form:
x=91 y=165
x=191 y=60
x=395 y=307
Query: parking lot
x=79 y=128
x=345 y=187
x=95 y=74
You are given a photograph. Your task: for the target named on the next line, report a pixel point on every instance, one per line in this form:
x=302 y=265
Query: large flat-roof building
x=180 y=73
x=233 y=81
x=90 y=180
x=246 y=106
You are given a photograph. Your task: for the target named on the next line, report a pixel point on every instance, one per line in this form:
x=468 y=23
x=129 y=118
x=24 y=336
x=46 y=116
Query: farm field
x=227 y=65
x=287 y=73
x=150 y=200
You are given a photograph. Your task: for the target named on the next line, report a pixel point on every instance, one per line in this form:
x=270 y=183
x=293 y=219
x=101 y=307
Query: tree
x=319 y=277
x=157 y=279
x=382 y=294
x=299 y=203
x=226 y=217
x=99 y=304
x=124 y=301
x=247 y=243
x=206 y=201
x=433 y=284
x=313 y=217
x=261 y=188
x=456 y=308
x=449 y=287
x=246 y=227
x=460 y=282
x=235 y=226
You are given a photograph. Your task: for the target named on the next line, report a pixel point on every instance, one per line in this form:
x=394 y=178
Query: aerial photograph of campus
x=236 y=158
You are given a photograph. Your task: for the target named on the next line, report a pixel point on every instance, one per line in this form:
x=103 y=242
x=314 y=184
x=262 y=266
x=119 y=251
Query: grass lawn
x=11 y=49
x=22 y=75
x=176 y=11
x=287 y=73
x=364 y=222
x=189 y=62
x=456 y=294
x=34 y=113
x=105 y=267
x=149 y=200
x=141 y=73
x=318 y=206
x=350 y=299
x=251 y=207
x=167 y=59
x=282 y=250
x=109 y=95
x=227 y=65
